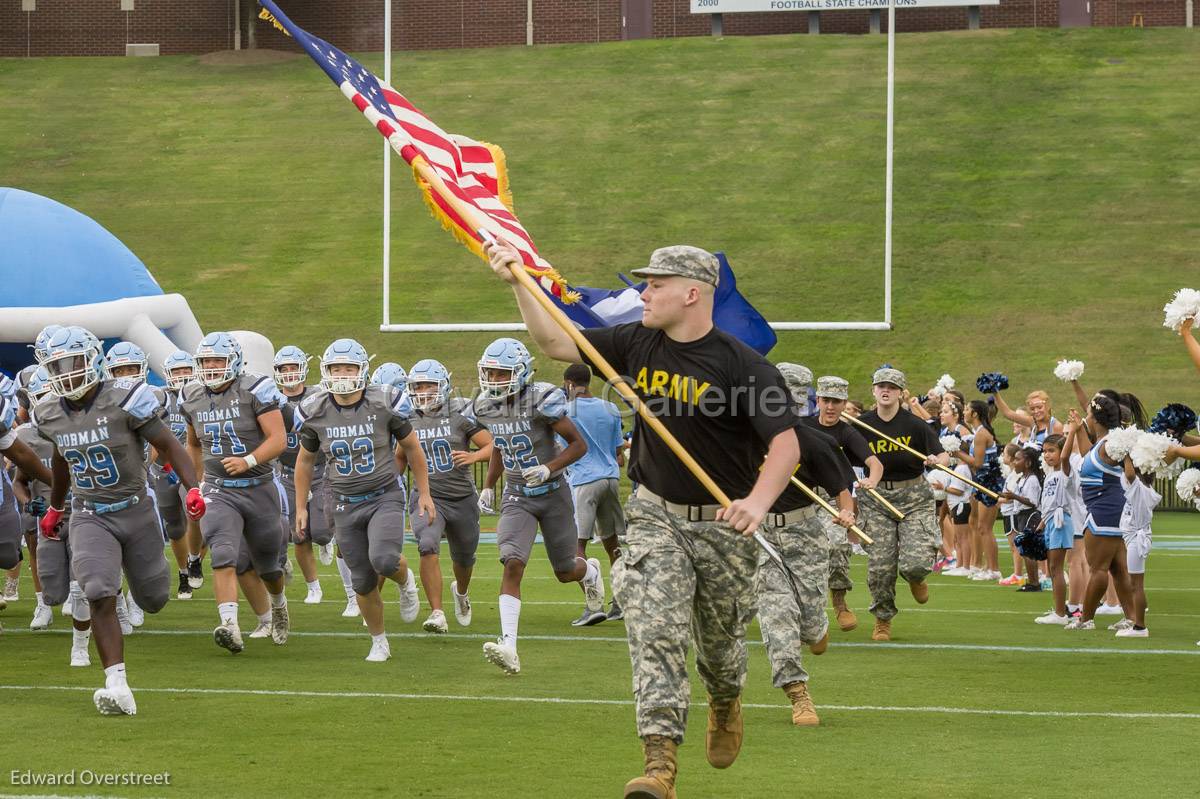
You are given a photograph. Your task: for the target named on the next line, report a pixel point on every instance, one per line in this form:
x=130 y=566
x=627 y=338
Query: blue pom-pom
x=991 y=382
x=1175 y=419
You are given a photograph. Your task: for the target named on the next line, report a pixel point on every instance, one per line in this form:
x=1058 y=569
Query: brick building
x=105 y=27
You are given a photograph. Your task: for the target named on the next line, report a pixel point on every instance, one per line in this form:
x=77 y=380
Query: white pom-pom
x=1184 y=305
x=951 y=444
x=1067 y=371
x=937 y=391
x=1188 y=485
x=1118 y=442
x=945 y=382
x=1149 y=455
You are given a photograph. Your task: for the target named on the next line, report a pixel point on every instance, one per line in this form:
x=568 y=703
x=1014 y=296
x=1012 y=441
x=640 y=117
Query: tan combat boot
x=659 y=779
x=723 y=739
x=845 y=616
x=920 y=591
x=882 y=631
x=819 y=647
x=804 y=714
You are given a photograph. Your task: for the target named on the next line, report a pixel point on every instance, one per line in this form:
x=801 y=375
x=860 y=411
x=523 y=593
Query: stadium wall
x=100 y=27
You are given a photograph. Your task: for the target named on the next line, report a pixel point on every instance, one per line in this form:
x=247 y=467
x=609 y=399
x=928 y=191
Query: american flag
x=473 y=171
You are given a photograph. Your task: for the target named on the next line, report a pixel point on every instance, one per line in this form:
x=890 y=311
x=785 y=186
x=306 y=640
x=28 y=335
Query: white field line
x=1053 y=650
x=557 y=700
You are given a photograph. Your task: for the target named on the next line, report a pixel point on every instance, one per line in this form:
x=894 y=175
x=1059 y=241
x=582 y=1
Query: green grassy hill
x=1046 y=188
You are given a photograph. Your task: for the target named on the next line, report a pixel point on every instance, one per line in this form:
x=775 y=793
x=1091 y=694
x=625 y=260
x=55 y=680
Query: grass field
x=1046 y=185
x=970 y=699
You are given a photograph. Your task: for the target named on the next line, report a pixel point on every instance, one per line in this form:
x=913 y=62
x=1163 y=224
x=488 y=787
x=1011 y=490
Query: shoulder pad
x=140 y=402
x=549 y=399
x=263 y=389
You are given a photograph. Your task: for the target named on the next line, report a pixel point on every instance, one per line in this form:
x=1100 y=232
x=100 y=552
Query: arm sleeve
x=309 y=440
x=399 y=426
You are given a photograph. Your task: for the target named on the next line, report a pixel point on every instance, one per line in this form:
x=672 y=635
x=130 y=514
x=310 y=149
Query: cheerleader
x=1035 y=417
x=1025 y=494
x=1104 y=497
x=950 y=417
x=984 y=459
x=1008 y=512
x=1058 y=522
x=1140 y=501
x=958 y=512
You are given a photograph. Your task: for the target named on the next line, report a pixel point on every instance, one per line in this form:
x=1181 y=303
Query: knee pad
x=152 y=602
x=223 y=556
x=10 y=555
x=427 y=547
x=270 y=576
x=365 y=585
x=386 y=564
x=174 y=524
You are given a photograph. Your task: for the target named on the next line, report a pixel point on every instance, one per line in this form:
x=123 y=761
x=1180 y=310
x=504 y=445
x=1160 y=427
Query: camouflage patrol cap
x=682 y=261
x=797 y=378
x=833 y=387
x=888 y=374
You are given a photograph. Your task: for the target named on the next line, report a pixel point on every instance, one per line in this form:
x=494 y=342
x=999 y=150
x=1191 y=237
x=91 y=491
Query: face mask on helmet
x=125 y=360
x=291 y=367
x=73 y=367
x=344 y=367
x=218 y=359
x=180 y=376
x=505 y=368
x=498 y=381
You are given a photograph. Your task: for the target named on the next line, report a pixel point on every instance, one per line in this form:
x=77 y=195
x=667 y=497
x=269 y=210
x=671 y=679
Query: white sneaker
x=123 y=616
x=280 y=625
x=1053 y=618
x=137 y=616
x=410 y=602
x=351 y=608
x=436 y=623
x=261 y=630
x=1106 y=609
x=1123 y=624
x=462 y=606
x=977 y=574
x=1133 y=632
x=380 y=651
x=503 y=656
x=315 y=595
x=12 y=589
x=115 y=701
x=1079 y=624
x=229 y=636
x=79 y=654
x=593 y=592
x=68 y=607
x=325 y=553
x=957 y=571
x=42 y=616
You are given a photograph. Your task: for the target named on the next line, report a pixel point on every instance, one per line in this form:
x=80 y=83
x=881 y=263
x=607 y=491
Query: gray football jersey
x=227 y=423
x=356 y=439
x=288 y=458
x=521 y=427
x=8 y=421
x=442 y=431
x=103 y=441
x=45 y=452
x=172 y=416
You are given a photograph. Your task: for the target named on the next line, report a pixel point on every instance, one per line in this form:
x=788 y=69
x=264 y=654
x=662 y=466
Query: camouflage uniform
x=839 y=550
x=788 y=621
x=677 y=580
x=908 y=547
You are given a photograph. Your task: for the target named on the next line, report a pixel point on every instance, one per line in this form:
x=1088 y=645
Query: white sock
x=228 y=612
x=510 y=615
x=192 y=558
x=313 y=585
x=264 y=618
x=278 y=600
x=114 y=676
x=39 y=599
x=379 y=639
x=593 y=573
x=347 y=579
x=81 y=637
x=458 y=594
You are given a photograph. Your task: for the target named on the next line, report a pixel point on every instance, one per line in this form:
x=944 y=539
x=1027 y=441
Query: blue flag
x=732 y=312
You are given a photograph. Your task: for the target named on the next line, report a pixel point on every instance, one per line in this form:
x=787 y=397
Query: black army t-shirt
x=723 y=402
x=822 y=464
x=899 y=464
x=853 y=445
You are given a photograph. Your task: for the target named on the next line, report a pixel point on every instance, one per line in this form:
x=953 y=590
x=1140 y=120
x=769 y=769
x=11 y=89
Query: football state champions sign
x=735 y=6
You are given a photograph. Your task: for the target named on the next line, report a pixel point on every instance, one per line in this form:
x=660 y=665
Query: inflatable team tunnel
x=58 y=266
